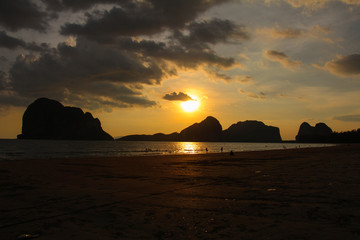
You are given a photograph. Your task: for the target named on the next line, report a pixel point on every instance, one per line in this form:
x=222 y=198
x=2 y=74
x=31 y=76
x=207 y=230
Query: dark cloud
x=22 y=14
x=134 y=18
x=211 y=31
x=183 y=56
x=106 y=66
x=111 y=69
x=155 y=16
x=312 y=5
x=3 y=80
x=36 y=47
x=3 y=59
x=9 y=42
x=282 y=58
x=9 y=99
x=89 y=69
x=276 y=54
x=61 y=5
x=345 y=65
x=12 y=43
x=177 y=97
x=348 y=118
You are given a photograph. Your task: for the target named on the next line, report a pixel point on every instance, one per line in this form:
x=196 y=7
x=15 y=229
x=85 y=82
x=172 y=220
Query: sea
x=13 y=149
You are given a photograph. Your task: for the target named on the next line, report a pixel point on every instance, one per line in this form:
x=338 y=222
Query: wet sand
x=282 y=194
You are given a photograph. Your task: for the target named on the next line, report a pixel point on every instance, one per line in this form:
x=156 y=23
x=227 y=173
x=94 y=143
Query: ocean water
x=30 y=149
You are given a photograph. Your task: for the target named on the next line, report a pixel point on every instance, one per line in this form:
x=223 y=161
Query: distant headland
x=49 y=119
x=210 y=130
x=321 y=133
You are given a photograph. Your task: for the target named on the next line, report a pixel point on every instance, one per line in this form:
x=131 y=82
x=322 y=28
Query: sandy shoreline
x=279 y=194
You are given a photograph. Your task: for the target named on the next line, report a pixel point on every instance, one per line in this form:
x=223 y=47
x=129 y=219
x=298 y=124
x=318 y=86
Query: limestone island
x=49 y=119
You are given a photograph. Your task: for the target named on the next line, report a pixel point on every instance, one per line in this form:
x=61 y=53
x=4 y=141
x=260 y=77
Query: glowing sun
x=191 y=105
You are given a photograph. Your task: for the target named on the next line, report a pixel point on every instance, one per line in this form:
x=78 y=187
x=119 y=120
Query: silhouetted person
x=206 y=150
x=231 y=153
x=221 y=149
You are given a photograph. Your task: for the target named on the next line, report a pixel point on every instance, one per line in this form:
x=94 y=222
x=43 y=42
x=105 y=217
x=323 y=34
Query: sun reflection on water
x=190 y=147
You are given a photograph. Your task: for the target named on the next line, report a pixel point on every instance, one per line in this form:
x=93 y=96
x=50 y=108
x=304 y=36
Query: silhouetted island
x=49 y=119
x=321 y=133
x=210 y=130
x=307 y=133
x=251 y=131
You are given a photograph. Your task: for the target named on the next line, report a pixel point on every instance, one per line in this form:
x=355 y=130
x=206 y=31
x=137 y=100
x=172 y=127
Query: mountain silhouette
x=49 y=119
x=251 y=131
x=320 y=133
x=210 y=130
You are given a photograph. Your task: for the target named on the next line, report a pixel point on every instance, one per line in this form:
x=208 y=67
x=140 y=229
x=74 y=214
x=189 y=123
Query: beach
x=306 y=193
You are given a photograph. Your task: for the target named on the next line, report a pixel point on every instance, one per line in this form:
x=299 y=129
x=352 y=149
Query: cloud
x=22 y=14
x=177 y=97
x=124 y=64
x=216 y=73
x=277 y=33
x=182 y=56
x=222 y=76
x=308 y=4
x=256 y=96
x=313 y=5
x=3 y=59
x=62 y=5
x=135 y=18
x=189 y=42
x=244 y=79
x=68 y=71
x=211 y=31
x=348 y=118
x=238 y=78
x=12 y=43
x=282 y=58
x=104 y=64
x=186 y=51
x=9 y=42
x=316 y=32
x=3 y=80
x=344 y=66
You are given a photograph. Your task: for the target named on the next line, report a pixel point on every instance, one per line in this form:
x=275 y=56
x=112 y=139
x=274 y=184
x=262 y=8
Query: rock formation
x=49 y=119
x=156 y=137
x=320 y=133
x=210 y=130
x=251 y=131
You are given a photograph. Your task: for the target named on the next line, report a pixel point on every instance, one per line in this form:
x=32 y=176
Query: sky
x=133 y=63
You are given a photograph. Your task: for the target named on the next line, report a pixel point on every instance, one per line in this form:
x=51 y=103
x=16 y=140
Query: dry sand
x=284 y=194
